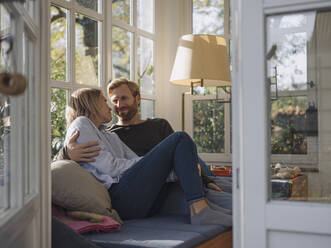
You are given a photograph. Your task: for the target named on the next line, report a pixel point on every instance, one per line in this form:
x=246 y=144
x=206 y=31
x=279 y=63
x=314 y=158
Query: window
x=19 y=115
x=78 y=49
x=76 y=56
x=133 y=46
x=208 y=109
x=293 y=88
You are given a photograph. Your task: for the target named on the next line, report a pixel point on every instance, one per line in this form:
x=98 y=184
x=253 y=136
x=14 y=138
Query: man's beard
x=131 y=112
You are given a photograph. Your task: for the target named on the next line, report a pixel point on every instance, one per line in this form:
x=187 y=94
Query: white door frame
x=256 y=218
x=28 y=221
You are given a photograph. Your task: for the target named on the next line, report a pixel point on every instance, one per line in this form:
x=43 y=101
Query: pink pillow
x=107 y=224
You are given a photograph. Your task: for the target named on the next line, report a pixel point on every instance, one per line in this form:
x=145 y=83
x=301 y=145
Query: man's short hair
x=133 y=86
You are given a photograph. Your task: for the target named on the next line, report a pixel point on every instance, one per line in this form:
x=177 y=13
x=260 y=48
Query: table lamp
x=201 y=59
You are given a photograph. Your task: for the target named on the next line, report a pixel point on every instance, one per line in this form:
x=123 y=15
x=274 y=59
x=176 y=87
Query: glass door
x=281 y=119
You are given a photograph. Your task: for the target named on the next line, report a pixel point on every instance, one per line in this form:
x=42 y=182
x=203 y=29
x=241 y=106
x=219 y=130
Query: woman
x=133 y=182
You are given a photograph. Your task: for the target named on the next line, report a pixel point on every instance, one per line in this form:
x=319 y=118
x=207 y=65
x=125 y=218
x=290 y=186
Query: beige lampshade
x=201 y=57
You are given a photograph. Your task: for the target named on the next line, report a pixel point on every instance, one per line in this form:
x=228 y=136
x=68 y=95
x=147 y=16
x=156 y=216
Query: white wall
x=172 y=18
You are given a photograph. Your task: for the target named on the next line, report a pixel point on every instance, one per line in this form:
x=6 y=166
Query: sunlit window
x=76 y=58
x=133 y=48
x=211 y=122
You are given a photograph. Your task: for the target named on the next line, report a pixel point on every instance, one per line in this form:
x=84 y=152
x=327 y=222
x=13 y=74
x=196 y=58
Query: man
x=140 y=135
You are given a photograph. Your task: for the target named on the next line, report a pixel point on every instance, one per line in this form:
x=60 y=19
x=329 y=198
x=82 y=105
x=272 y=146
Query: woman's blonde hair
x=83 y=102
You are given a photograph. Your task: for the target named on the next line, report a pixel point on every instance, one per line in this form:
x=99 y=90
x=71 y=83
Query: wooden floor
x=224 y=240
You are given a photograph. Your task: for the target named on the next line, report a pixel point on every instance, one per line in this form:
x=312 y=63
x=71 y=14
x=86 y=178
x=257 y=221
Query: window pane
x=30 y=117
x=6 y=26
x=299 y=67
x=87 y=50
x=90 y=4
x=145 y=65
x=30 y=6
x=147 y=109
x=58 y=125
x=59 y=43
x=288 y=124
x=288 y=38
x=121 y=11
x=121 y=49
x=208 y=17
x=4 y=151
x=145 y=14
x=208 y=126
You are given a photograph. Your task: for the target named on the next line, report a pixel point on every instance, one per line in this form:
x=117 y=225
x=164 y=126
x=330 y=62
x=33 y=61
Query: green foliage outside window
x=288 y=125
x=58 y=122
x=58 y=65
x=208 y=17
x=208 y=126
x=58 y=43
x=121 y=10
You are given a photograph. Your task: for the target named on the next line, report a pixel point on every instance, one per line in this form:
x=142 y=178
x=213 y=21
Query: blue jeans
x=139 y=186
x=205 y=168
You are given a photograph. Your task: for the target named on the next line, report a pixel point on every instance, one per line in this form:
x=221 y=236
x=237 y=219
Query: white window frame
x=23 y=207
x=213 y=158
x=136 y=33
x=105 y=45
x=70 y=84
x=73 y=7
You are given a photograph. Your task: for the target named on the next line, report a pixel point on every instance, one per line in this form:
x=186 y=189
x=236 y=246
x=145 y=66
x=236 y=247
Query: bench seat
x=158 y=232
x=170 y=228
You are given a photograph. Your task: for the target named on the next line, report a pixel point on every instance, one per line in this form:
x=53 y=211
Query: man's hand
x=214 y=187
x=82 y=152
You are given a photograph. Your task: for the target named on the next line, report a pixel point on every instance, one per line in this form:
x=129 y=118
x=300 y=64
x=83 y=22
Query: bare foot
x=197 y=206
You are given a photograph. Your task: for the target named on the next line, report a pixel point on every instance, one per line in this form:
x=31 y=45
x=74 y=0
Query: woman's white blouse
x=114 y=157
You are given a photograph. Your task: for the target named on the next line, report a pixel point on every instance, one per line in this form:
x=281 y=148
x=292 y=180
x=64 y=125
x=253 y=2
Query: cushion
x=74 y=188
x=106 y=224
x=172 y=231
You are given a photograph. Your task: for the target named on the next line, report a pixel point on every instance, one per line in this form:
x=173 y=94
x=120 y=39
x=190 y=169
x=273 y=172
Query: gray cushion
x=158 y=232
x=170 y=229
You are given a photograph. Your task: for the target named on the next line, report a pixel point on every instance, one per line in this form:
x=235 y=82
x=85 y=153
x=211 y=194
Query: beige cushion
x=76 y=189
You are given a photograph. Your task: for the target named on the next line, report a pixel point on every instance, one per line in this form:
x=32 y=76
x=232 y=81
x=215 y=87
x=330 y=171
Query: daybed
x=169 y=228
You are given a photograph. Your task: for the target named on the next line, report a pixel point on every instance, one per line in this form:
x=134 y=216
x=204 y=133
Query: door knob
x=12 y=84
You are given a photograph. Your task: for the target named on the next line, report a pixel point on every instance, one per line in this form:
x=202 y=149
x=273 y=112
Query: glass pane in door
x=298 y=61
x=30 y=115
x=6 y=59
